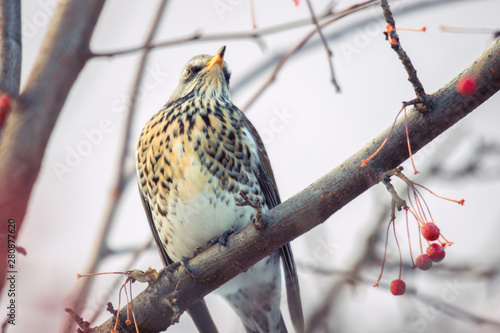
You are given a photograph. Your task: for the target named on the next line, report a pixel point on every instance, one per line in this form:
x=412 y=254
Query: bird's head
x=204 y=77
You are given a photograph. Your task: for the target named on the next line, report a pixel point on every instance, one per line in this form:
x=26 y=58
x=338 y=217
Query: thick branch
x=10 y=46
x=32 y=118
x=161 y=303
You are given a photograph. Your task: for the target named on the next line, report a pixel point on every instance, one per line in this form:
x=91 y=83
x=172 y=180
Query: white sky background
x=308 y=130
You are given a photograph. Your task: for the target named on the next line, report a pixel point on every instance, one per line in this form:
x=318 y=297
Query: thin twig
x=146 y=47
x=114 y=286
x=298 y=46
x=252 y=34
x=412 y=72
x=117 y=190
x=329 y=53
x=385 y=179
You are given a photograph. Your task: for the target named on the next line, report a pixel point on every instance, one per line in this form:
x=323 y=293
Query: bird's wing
x=198 y=311
x=272 y=198
x=163 y=253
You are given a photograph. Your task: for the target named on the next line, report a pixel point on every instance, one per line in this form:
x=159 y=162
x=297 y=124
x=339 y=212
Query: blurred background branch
x=32 y=118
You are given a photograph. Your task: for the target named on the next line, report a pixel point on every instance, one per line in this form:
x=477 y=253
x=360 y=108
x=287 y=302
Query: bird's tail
x=201 y=317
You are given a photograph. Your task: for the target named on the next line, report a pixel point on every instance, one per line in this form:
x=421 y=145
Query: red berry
x=424 y=262
x=430 y=231
x=5 y=102
x=466 y=86
x=4 y=108
x=436 y=252
x=398 y=287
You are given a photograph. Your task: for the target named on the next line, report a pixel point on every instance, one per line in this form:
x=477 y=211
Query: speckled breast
x=192 y=163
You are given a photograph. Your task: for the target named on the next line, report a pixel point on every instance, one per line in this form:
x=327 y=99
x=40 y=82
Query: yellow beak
x=218 y=58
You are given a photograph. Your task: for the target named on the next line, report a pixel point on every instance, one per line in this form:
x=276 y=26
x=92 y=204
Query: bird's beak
x=218 y=58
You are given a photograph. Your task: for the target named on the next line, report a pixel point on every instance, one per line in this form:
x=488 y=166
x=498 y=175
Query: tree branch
x=32 y=118
x=157 y=307
x=10 y=46
x=329 y=53
x=412 y=72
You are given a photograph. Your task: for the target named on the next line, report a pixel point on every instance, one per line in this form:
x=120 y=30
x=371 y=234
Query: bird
x=196 y=158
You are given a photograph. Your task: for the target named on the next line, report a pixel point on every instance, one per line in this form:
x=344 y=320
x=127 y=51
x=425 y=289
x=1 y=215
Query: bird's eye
x=187 y=73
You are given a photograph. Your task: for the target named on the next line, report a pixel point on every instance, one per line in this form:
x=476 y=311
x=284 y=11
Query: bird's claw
x=184 y=261
x=199 y=250
x=257 y=222
x=222 y=240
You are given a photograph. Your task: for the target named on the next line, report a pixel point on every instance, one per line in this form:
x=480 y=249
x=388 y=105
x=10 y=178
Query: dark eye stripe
x=196 y=69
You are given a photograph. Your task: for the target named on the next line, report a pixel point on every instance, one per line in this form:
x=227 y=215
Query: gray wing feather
x=272 y=198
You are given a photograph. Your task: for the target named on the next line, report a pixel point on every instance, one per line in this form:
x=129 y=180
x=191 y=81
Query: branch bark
x=10 y=46
x=33 y=116
x=162 y=302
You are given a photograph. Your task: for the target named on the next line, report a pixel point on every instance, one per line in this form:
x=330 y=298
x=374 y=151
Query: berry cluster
x=435 y=251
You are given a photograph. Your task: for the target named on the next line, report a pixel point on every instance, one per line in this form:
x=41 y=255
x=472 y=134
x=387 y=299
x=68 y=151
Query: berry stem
x=399 y=249
x=132 y=306
x=409 y=238
x=119 y=307
x=363 y=162
x=415 y=209
x=408 y=142
x=417 y=194
x=419 y=234
x=423 y=29
x=124 y=287
x=94 y=274
x=460 y=202
x=254 y=25
x=385 y=251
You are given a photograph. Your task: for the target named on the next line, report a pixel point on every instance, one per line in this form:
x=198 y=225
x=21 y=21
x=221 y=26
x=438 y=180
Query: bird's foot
x=222 y=240
x=172 y=267
x=198 y=250
x=185 y=263
x=258 y=222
